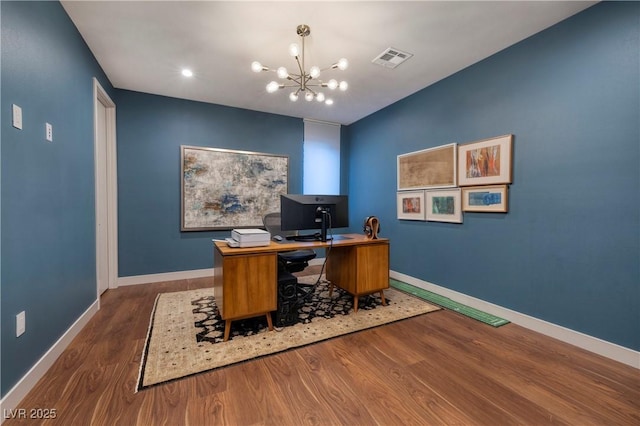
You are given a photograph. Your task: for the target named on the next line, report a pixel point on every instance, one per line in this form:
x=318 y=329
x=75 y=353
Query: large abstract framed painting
x=485 y=198
x=225 y=189
x=485 y=162
x=411 y=205
x=444 y=206
x=428 y=168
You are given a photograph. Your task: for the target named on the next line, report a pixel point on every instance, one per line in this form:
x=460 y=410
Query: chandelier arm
x=268 y=69
x=330 y=67
x=296 y=78
x=300 y=66
x=307 y=80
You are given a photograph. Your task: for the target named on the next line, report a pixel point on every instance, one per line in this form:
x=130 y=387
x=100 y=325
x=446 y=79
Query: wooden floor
x=437 y=369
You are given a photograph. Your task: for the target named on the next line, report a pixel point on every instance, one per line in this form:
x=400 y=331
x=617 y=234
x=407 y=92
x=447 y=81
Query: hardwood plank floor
x=437 y=369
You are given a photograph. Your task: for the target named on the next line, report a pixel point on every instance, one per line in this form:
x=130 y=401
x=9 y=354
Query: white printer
x=251 y=237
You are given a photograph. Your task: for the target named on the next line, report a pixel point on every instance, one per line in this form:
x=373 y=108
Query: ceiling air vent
x=391 y=58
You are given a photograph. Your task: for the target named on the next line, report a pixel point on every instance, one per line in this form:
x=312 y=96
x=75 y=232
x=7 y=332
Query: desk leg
x=227 y=329
x=227 y=326
x=269 y=322
x=355 y=298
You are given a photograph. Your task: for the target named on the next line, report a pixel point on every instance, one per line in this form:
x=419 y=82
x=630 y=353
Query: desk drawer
x=360 y=269
x=248 y=285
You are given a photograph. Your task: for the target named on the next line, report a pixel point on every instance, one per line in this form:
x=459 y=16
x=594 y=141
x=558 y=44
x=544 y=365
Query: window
x=321 y=158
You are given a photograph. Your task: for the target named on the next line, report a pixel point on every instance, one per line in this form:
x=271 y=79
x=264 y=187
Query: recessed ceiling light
x=187 y=72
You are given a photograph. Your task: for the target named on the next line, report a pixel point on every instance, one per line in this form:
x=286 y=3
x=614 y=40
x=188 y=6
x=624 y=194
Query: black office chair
x=290 y=296
x=291 y=261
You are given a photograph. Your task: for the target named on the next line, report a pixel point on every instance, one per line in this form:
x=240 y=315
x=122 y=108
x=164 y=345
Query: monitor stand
x=322 y=235
x=315 y=237
x=308 y=237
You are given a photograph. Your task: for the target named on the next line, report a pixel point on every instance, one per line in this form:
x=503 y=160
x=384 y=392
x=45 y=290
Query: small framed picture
x=485 y=162
x=411 y=205
x=444 y=206
x=485 y=198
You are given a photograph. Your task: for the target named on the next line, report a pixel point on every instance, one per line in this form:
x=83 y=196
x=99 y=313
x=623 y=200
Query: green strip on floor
x=448 y=303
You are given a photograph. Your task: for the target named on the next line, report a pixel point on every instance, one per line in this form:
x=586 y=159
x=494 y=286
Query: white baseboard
x=167 y=276
x=581 y=340
x=29 y=380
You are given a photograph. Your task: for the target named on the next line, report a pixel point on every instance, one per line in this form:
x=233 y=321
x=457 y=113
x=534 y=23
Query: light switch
x=48 y=132
x=21 y=325
x=17 y=117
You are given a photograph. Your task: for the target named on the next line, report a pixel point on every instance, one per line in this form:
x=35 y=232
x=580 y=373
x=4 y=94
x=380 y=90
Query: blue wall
x=568 y=250
x=150 y=131
x=47 y=203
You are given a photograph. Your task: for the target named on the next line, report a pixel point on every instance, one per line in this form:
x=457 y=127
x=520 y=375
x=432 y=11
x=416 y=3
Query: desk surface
x=350 y=240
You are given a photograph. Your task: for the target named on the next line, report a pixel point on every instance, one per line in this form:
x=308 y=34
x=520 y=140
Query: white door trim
x=101 y=96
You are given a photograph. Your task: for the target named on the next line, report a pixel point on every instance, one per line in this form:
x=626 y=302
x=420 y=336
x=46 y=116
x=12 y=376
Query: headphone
x=371 y=227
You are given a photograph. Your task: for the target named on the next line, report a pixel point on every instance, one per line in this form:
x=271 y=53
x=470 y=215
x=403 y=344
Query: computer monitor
x=302 y=212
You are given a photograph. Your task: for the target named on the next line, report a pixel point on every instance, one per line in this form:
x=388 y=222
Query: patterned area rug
x=186 y=331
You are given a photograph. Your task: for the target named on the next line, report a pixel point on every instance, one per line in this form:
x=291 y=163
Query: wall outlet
x=21 y=325
x=17 y=117
x=48 y=132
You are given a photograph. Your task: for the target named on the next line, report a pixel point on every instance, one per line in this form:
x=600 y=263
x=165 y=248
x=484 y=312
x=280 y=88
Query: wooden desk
x=245 y=282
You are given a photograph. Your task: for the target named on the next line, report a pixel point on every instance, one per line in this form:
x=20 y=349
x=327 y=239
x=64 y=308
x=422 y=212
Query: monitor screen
x=302 y=212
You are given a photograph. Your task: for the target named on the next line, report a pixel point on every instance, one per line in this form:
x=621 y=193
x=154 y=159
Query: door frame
x=101 y=96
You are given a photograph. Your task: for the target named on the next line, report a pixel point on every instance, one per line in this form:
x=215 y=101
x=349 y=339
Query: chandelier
x=307 y=84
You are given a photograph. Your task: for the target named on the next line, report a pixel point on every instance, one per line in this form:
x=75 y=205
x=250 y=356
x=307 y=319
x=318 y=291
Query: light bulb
x=314 y=72
x=293 y=96
x=272 y=87
x=343 y=64
x=256 y=66
x=343 y=85
x=320 y=97
x=293 y=49
x=282 y=72
x=332 y=84
x=329 y=102
x=308 y=96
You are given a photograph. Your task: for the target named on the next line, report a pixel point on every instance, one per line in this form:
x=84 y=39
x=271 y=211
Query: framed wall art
x=225 y=189
x=485 y=198
x=485 y=162
x=411 y=205
x=428 y=168
x=444 y=206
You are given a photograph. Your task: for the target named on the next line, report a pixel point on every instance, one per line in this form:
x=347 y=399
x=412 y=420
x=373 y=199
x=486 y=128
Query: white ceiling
x=143 y=46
